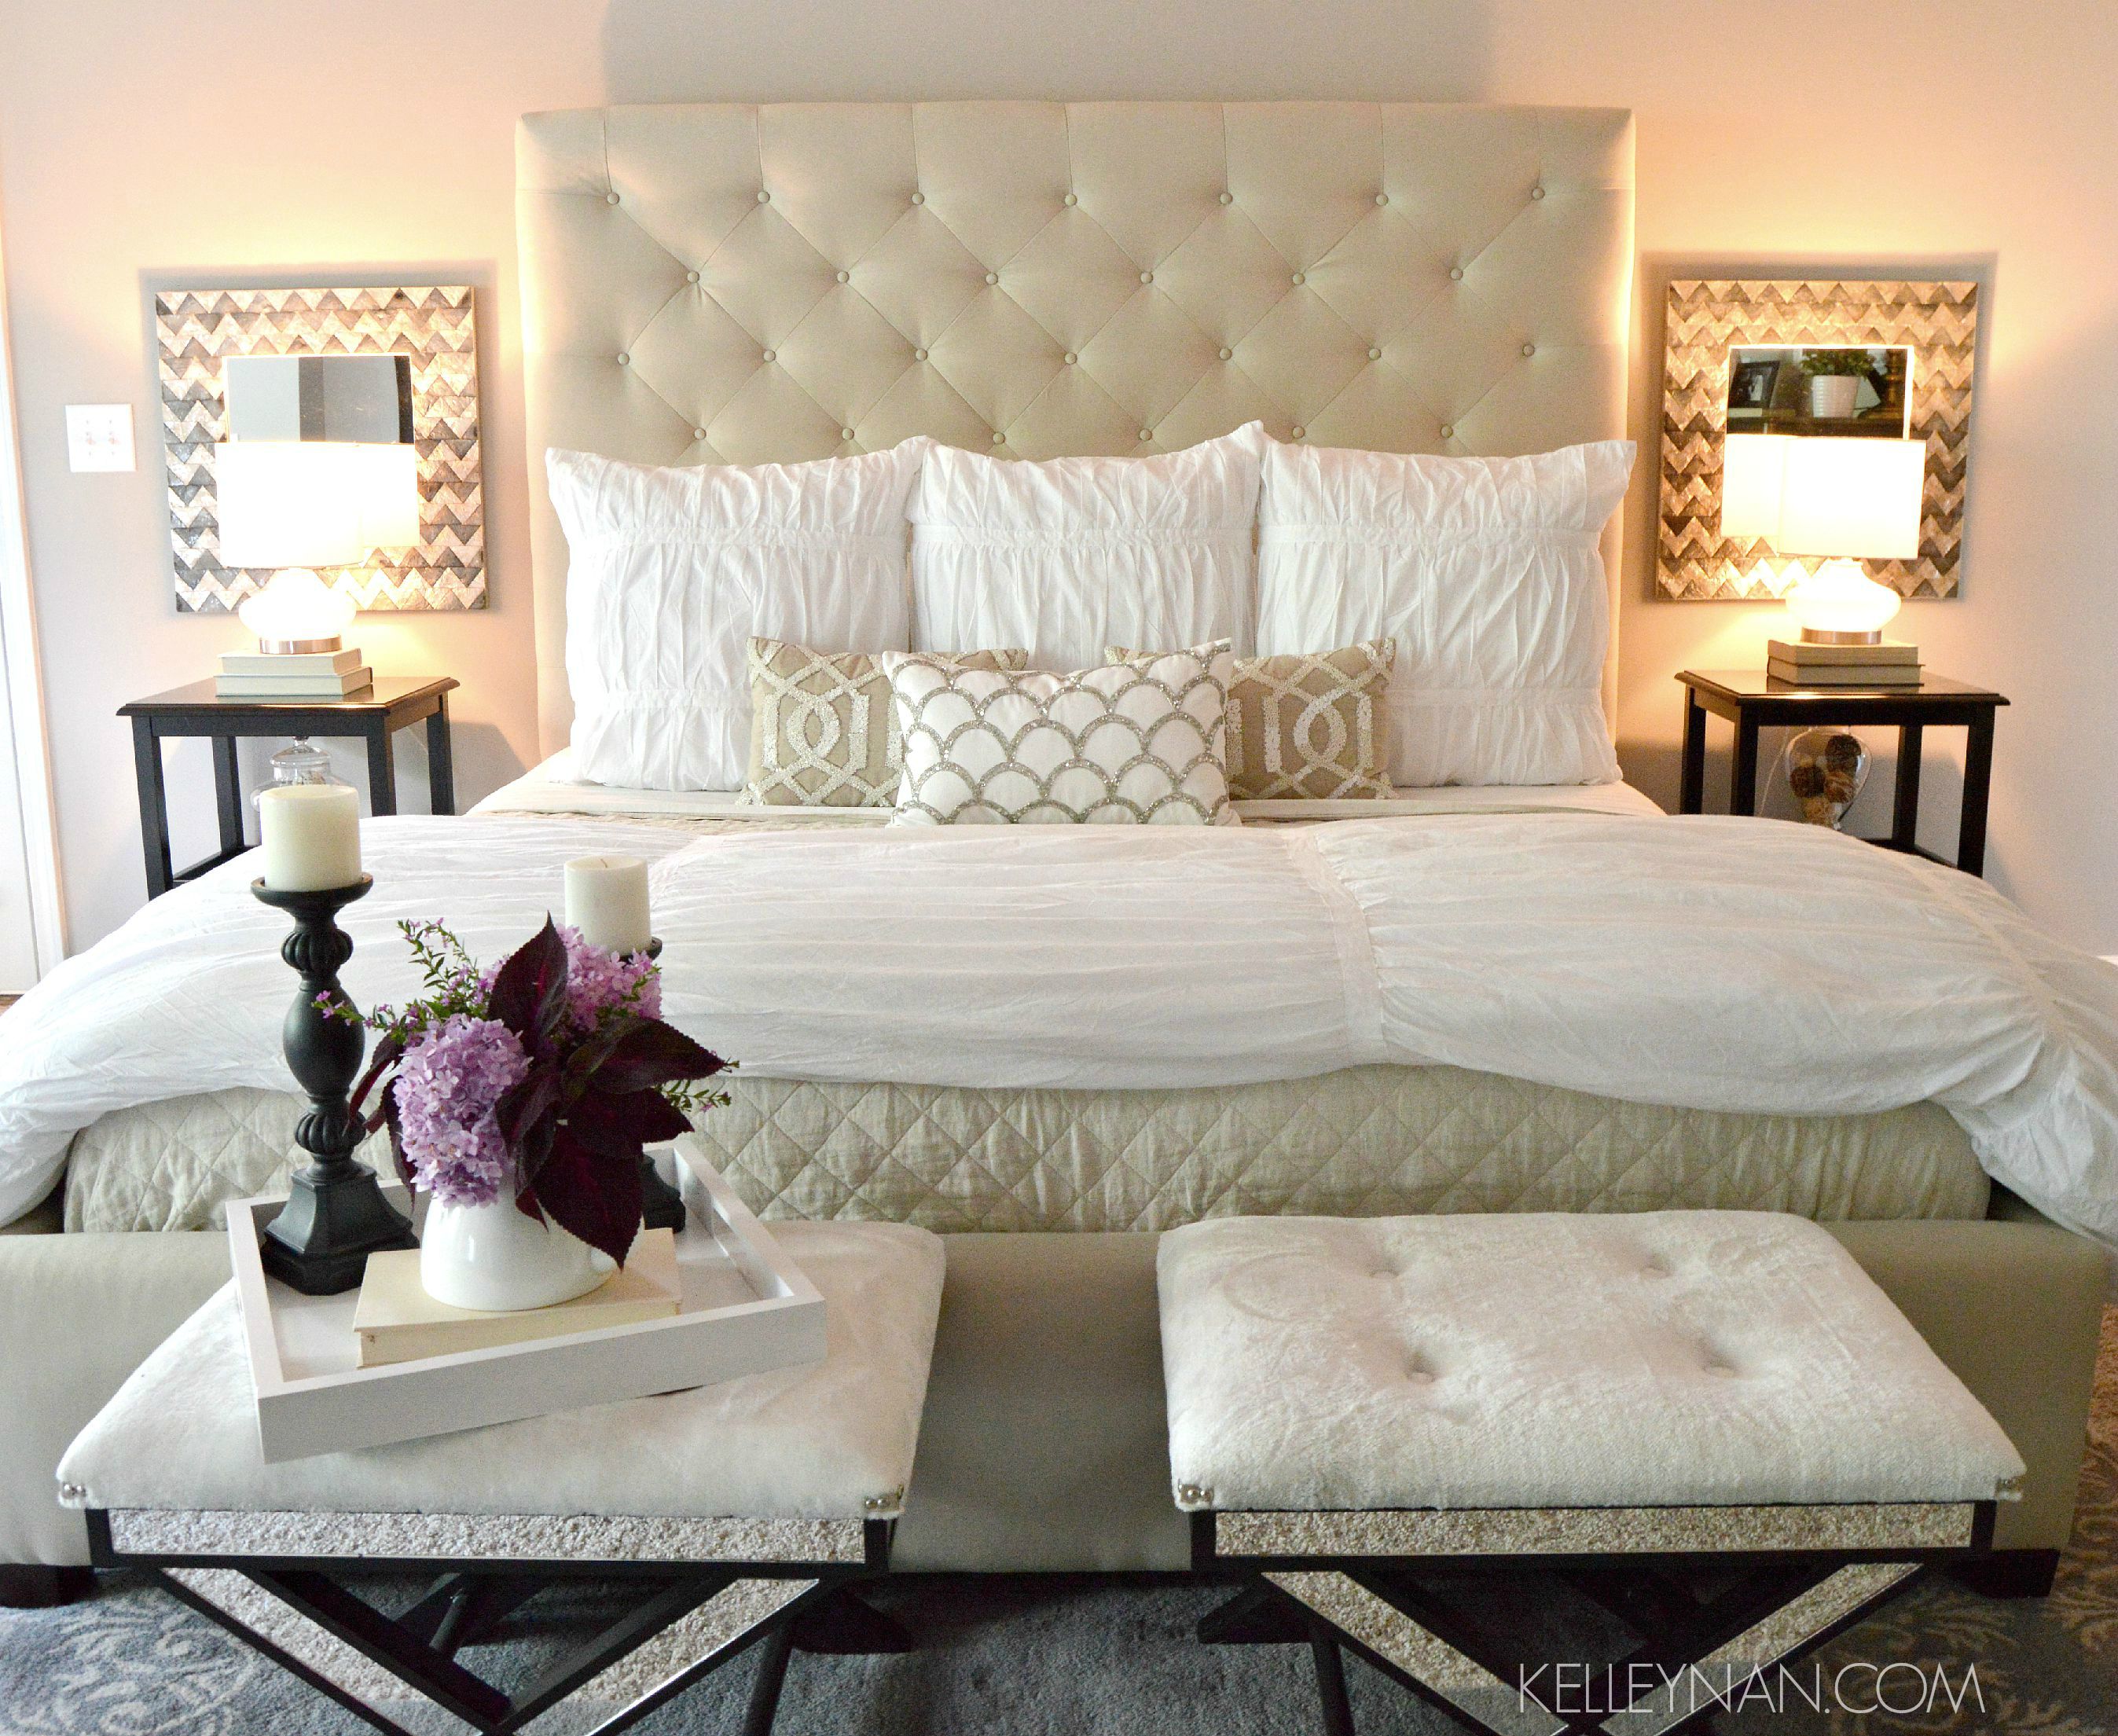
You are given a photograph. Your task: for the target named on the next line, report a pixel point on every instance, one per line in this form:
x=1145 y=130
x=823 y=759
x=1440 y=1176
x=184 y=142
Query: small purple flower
x=600 y=982
x=447 y=1088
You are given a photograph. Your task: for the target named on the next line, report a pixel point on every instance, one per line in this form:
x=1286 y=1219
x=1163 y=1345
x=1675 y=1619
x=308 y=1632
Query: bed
x=1489 y=250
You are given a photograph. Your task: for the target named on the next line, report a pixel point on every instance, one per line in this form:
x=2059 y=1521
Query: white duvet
x=1712 y=963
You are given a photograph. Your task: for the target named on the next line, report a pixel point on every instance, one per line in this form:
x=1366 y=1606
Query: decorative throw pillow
x=1487 y=573
x=1128 y=744
x=1307 y=725
x=671 y=570
x=823 y=729
x=1068 y=555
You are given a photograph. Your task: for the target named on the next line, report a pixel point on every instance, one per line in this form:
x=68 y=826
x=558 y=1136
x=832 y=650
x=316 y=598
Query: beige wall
x=238 y=141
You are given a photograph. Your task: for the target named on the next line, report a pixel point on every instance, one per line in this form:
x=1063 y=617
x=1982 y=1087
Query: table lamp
x=319 y=470
x=1849 y=498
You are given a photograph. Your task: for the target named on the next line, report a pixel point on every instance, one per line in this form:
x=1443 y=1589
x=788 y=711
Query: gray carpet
x=1058 y=1657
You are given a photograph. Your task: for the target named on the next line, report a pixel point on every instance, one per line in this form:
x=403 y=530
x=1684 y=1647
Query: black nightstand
x=392 y=703
x=1754 y=700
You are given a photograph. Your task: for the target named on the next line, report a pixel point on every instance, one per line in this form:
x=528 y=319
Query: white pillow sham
x=672 y=570
x=1487 y=573
x=1068 y=555
x=1141 y=742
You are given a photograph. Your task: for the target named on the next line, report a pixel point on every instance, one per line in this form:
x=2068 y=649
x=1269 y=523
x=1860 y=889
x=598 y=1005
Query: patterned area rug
x=1006 y=1657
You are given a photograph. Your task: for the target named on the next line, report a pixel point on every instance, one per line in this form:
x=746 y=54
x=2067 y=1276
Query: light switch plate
x=100 y=437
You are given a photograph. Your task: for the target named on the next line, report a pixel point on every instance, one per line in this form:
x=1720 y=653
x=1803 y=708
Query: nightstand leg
x=228 y=793
x=1691 y=786
x=1743 y=780
x=441 y=762
x=1904 y=811
x=381 y=769
x=1977 y=787
x=153 y=807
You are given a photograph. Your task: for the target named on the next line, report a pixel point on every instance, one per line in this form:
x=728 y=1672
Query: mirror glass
x=366 y=398
x=1790 y=389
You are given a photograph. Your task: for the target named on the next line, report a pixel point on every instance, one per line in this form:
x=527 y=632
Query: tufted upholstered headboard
x=738 y=284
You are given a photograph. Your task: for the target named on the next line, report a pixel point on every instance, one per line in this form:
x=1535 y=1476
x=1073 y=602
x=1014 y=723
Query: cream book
x=1889 y=651
x=326 y=686
x=396 y=1320
x=1874 y=675
x=290 y=663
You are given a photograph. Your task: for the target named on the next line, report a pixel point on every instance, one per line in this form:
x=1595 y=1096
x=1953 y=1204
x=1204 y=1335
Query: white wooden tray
x=746 y=1308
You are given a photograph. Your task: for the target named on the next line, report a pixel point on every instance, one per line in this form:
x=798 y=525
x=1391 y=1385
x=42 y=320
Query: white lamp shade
x=1753 y=478
x=314 y=502
x=1859 y=498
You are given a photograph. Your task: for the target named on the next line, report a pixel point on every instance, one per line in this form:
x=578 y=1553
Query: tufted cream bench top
x=1545 y=1361
x=737 y=283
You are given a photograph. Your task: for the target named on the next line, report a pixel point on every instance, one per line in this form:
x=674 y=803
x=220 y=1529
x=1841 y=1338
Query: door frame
x=22 y=676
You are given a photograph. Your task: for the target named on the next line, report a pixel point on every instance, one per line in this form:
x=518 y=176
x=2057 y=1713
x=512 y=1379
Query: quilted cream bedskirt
x=1365 y=1141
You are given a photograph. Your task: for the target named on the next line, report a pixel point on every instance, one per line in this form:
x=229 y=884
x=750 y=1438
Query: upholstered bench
x=730 y=1509
x=1709 y=1429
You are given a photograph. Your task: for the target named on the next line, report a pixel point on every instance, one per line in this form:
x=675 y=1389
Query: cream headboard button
x=770 y=355
x=698 y=433
x=1297 y=431
x=610 y=198
x=1071 y=359
x=1448 y=431
x=763 y=197
x=1382 y=198
x=1299 y=280
x=918 y=355
x=845 y=277
x=1226 y=353
x=623 y=359
x=1537 y=193
x=1456 y=274
x=1070 y=200
x=691 y=277
x=1227 y=198
x=1147 y=434
x=1147 y=277
x=1530 y=349
x=1374 y=354
x=999 y=438
x=992 y=277
x=845 y=433
x=919 y=198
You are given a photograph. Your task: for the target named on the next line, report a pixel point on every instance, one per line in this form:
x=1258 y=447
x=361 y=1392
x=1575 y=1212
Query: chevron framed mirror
x=197 y=331
x=1721 y=332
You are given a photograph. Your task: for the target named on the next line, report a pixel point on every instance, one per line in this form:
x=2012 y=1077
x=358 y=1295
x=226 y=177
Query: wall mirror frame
x=432 y=325
x=1710 y=319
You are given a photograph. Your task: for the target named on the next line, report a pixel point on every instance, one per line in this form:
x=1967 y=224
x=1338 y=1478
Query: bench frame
x=724 y=1607
x=1783 y=1602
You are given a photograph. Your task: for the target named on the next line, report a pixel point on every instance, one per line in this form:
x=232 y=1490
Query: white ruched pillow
x=1487 y=573
x=1068 y=555
x=670 y=573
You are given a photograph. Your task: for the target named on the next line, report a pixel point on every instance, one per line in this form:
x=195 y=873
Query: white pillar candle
x=606 y=901
x=311 y=833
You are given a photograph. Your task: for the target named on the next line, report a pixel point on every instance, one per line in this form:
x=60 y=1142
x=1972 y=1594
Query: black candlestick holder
x=336 y=1215
x=661 y=1206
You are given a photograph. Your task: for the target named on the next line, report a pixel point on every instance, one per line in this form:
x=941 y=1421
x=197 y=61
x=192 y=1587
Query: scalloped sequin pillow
x=1134 y=744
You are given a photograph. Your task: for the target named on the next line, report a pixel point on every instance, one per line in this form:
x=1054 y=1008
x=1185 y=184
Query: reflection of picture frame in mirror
x=1750 y=386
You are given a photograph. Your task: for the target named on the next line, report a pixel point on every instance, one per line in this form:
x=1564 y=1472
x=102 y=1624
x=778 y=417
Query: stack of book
x=1889 y=663
x=291 y=674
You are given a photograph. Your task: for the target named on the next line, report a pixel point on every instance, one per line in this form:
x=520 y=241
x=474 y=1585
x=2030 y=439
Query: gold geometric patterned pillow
x=1311 y=723
x=823 y=730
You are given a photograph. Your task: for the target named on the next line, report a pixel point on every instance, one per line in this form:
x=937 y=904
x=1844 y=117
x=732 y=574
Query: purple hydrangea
x=447 y=1087
x=600 y=982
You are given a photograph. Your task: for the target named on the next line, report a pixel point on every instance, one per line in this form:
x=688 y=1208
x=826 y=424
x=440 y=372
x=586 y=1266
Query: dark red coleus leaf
x=648 y=1053
x=388 y=1052
x=621 y=1123
x=530 y=990
x=388 y=1113
x=593 y=1195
